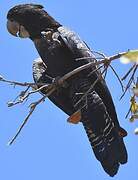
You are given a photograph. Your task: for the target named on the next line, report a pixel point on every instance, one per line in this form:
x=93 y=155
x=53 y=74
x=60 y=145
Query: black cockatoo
x=60 y=49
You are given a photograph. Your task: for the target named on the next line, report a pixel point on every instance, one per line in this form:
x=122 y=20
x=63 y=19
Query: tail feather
x=103 y=133
x=109 y=149
x=123 y=157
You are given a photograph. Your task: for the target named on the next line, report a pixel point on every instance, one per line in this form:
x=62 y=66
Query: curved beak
x=17 y=30
x=13 y=27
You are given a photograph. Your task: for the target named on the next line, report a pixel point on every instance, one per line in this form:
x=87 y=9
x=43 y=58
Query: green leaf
x=130 y=56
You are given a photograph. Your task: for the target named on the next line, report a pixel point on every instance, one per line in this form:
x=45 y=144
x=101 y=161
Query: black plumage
x=59 y=49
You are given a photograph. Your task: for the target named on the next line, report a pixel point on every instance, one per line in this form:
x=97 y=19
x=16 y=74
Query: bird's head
x=29 y=20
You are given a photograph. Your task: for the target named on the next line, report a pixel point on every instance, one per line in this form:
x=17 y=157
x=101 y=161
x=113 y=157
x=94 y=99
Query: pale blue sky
x=49 y=147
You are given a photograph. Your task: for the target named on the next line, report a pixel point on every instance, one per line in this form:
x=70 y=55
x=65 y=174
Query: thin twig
x=77 y=70
x=117 y=77
x=129 y=82
x=96 y=69
x=128 y=112
x=91 y=87
x=21 y=84
x=18 y=83
x=99 y=53
x=26 y=119
x=105 y=73
x=33 y=106
x=46 y=86
x=129 y=71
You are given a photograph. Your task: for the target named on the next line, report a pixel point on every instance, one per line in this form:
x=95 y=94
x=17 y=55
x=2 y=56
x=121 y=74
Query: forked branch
x=59 y=82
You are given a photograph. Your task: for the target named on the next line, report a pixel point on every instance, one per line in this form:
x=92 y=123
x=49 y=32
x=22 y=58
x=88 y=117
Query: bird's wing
x=80 y=50
x=99 y=115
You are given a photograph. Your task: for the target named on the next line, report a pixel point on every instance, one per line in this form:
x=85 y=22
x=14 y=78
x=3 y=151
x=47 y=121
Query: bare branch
x=91 y=87
x=96 y=69
x=129 y=82
x=29 y=84
x=32 y=108
x=99 y=53
x=128 y=112
x=50 y=88
x=117 y=77
x=129 y=71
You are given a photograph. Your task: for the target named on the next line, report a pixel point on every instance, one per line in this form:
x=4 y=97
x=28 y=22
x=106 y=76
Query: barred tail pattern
x=107 y=146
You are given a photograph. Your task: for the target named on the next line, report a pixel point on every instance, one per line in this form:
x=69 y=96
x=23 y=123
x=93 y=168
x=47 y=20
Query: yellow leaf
x=130 y=56
x=134 y=108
